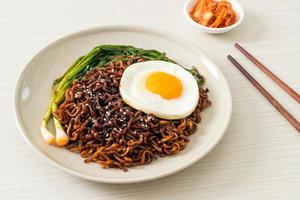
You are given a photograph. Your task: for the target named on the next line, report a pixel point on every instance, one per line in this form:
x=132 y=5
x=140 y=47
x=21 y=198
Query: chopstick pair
x=263 y=91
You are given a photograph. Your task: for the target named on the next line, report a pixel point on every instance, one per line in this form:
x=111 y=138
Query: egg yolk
x=164 y=84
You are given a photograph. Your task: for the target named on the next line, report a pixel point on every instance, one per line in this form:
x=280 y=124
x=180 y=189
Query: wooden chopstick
x=266 y=94
x=277 y=80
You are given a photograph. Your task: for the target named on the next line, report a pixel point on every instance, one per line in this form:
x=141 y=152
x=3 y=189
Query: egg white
x=135 y=93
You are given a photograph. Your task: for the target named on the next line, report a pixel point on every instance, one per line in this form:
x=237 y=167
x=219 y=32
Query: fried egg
x=163 y=89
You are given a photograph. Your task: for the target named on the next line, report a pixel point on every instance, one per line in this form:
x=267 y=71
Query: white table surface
x=259 y=157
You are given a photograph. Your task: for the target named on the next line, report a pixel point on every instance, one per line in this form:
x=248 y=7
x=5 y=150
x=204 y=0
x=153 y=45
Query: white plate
x=32 y=96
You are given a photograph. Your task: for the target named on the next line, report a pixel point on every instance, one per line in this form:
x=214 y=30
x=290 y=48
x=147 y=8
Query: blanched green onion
x=46 y=134
x=61 y=138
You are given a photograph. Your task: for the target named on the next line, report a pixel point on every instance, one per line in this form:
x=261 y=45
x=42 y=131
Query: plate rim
x=150 y=30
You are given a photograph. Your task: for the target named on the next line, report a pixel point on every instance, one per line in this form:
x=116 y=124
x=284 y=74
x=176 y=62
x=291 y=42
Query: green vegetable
x=199 y=78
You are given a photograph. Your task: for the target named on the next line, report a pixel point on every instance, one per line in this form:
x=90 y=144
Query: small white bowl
x=236 y=7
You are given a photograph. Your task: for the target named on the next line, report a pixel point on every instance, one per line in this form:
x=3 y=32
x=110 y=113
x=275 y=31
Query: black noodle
x=105 y=130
